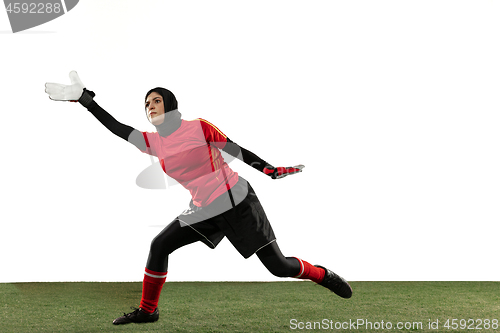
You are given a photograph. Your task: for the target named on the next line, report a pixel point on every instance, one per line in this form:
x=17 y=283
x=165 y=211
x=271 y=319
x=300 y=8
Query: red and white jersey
x=192 y=157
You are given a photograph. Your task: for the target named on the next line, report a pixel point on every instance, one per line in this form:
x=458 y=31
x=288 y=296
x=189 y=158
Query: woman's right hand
x=62 y=92
x=75 y=92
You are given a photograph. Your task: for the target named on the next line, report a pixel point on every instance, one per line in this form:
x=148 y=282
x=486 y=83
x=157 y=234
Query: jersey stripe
x=218 y=130
x=145 y=139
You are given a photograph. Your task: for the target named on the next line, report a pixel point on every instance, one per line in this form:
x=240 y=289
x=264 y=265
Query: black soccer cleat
x=335 y=283
x=137 y=316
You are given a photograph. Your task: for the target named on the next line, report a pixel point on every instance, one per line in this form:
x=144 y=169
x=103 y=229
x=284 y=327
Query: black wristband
x=86 y=98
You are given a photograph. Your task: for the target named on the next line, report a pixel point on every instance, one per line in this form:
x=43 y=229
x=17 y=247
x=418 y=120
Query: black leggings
x=174 y=236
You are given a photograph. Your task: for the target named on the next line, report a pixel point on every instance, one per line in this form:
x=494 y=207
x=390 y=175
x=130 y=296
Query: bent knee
x=159 y=245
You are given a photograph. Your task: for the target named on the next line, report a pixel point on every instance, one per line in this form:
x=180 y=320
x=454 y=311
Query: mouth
x=152 y=114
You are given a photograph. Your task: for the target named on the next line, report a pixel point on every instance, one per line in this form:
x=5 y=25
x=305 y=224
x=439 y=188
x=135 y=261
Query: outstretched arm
x=123 y=131
x=257 y=163
x=76 y=92
x=214 y=136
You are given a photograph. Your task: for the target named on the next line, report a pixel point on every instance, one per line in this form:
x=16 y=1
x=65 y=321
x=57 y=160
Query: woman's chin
x=157 y=120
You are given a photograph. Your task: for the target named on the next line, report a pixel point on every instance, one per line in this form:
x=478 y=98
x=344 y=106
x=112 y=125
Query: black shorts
x=238 y=215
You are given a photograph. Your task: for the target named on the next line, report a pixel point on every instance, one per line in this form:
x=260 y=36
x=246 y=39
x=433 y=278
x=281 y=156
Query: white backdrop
x=392 y=106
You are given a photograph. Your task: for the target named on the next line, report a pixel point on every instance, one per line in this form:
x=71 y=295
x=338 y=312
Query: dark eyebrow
x=157 y=97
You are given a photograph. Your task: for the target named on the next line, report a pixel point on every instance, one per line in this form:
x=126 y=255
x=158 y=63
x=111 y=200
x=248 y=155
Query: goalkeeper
x=223 y=203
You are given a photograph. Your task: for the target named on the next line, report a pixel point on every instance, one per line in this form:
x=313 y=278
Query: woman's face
x=155 y=109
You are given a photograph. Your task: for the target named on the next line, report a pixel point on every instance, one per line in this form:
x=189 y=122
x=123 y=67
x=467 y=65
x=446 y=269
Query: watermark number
x=34 y=8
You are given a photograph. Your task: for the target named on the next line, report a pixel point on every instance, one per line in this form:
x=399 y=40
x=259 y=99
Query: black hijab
x=172 y=120
x=169 y=100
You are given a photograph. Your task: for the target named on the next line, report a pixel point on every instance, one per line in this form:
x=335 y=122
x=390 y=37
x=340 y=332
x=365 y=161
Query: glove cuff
x=86 y=98
x=270 y=171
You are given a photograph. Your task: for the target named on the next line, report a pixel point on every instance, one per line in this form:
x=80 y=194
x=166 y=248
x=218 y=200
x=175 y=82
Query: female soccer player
x=223 y=203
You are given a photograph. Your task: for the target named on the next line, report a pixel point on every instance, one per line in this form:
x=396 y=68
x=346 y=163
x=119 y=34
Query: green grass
x=245 y=306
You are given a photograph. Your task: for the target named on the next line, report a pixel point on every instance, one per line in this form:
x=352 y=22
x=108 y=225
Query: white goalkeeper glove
x=75 y=92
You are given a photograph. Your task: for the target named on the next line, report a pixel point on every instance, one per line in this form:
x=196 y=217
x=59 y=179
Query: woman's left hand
x=280 y=172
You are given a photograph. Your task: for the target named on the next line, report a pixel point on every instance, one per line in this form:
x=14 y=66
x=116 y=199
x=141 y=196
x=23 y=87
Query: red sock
x=151 y=289
x=308 y=271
